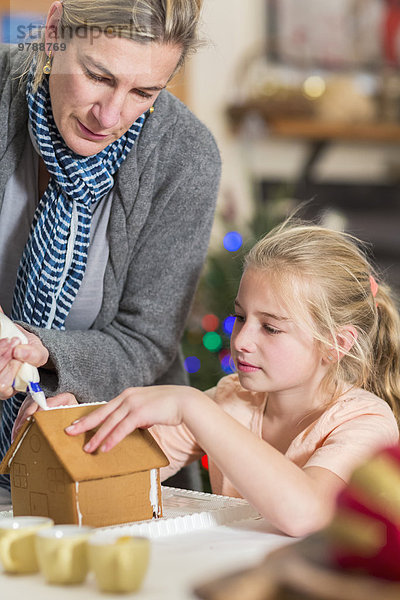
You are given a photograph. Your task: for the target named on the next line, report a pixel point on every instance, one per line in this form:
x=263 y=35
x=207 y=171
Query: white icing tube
x=28 y=375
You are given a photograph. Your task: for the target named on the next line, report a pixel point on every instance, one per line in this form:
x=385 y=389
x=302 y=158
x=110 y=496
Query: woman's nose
x=108 y=109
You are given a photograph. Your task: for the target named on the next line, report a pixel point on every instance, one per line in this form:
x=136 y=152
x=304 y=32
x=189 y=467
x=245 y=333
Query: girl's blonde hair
x=163 y=21
x=325 y=278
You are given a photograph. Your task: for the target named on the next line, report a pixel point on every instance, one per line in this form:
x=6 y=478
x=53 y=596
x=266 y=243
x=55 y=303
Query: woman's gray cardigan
x=158 y=232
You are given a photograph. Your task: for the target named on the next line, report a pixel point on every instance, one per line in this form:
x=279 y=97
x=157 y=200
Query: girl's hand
x=135 y=408
x=29 y=407
x=8 y=367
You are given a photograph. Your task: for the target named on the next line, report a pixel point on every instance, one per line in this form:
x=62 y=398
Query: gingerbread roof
x=137 y=452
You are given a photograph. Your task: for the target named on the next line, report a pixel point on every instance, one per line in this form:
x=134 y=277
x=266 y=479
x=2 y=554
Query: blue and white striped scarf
x=54 y=260
x=55 y=256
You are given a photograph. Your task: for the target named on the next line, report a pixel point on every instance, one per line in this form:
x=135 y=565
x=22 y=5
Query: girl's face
x=99 y=87
x=271 y=353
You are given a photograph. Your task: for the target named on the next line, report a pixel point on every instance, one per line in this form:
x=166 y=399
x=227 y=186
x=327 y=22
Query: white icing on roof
x=17 y=446
x=75 y=405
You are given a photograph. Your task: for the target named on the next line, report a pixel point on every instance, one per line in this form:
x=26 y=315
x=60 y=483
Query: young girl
x=317 y=388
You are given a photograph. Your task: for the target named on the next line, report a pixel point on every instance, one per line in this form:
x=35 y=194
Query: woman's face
x=99 y=87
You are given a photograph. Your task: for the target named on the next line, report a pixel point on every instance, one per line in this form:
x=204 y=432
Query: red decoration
x=366 y=528
x=204 y=461
x=391 y=32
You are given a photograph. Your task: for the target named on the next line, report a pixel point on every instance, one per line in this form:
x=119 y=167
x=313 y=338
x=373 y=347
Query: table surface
x=178 y=564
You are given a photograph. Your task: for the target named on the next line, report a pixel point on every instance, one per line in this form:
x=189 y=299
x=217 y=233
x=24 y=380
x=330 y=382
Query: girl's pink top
x=344 y=436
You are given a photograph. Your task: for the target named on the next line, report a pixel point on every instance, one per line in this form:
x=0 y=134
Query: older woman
x=107 y=191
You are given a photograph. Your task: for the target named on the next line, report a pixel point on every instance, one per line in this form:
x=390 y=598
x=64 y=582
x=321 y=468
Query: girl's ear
x=345 y=339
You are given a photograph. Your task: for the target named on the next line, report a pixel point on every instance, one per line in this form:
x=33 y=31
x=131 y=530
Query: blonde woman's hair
x=324 y=277
x=163 y=21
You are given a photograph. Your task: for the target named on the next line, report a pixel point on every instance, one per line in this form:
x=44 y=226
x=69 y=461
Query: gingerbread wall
x=48 y=491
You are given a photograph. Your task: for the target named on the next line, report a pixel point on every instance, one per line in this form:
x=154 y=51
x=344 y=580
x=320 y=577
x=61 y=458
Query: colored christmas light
x=228 y=324
x=212 y=341
x=192 y=364
x=210 y=322
x=227 y=364
x=222 y=353
x=233 y=241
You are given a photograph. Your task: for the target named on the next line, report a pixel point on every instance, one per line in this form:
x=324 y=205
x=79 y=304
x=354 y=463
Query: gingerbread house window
x=19 y=476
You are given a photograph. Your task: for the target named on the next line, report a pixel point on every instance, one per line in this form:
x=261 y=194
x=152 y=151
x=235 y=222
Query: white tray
x=187 y=510
x=184 y=511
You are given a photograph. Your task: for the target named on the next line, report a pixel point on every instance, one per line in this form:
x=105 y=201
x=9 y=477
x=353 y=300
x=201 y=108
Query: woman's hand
x=135 y=408
x=33 y=352
x=13 y=354
x=29 y=407
x=8 y=367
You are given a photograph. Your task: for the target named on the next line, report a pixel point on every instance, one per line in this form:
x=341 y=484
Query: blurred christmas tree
x=207 y=336
x=206 y=342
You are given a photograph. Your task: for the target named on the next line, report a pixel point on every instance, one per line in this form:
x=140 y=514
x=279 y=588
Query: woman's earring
x=151 y=109
x=47 y=66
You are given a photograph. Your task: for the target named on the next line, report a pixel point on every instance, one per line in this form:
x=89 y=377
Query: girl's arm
x=296 y=501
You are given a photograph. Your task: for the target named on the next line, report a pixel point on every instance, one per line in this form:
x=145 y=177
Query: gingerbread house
x=52 y=476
